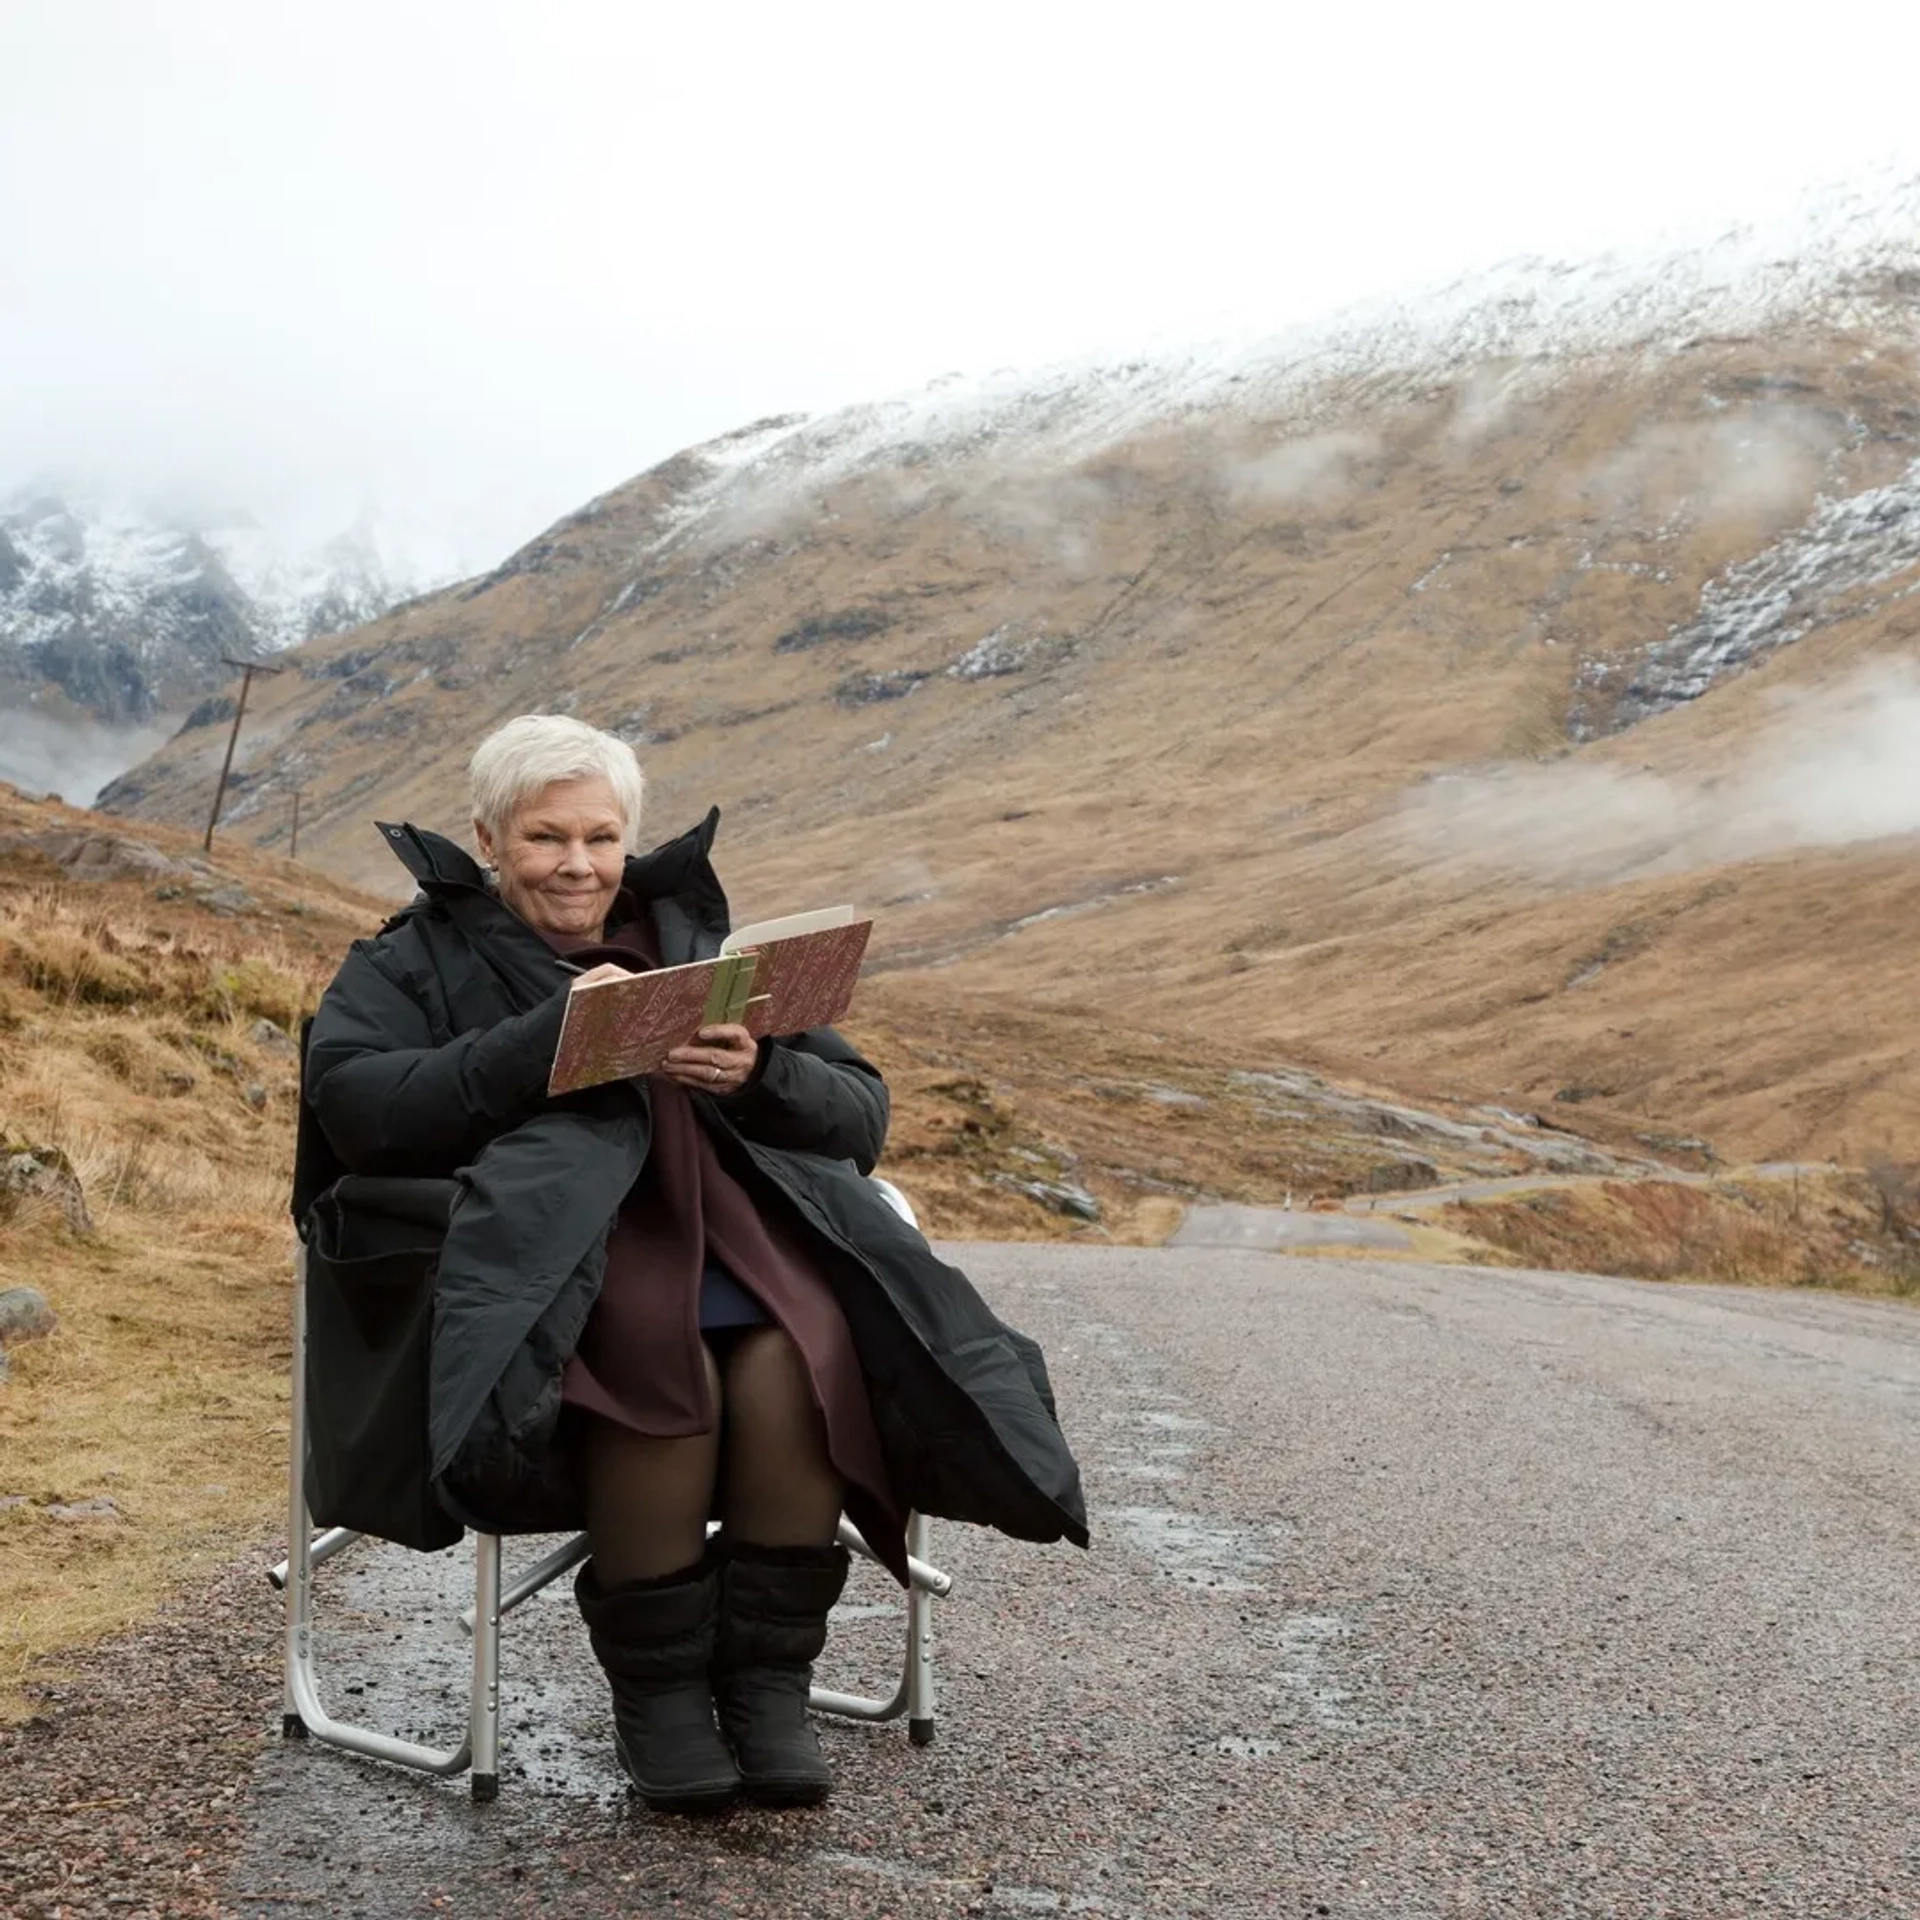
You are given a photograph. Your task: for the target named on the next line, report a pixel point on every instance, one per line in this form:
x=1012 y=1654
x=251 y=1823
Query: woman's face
x=561 y=857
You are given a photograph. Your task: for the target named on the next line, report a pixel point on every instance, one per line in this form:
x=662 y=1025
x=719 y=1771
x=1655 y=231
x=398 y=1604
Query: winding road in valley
x=1416 y=1592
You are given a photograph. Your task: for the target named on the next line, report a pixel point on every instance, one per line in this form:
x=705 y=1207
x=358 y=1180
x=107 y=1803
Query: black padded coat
x=426 y=1069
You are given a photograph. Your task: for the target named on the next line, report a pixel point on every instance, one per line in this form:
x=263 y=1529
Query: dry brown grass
x=989 y=1093
x=164 y=1391
x=127 y=1042
x=1821 y=1230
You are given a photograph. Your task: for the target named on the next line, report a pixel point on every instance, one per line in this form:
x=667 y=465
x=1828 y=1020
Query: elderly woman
x=667 y=1300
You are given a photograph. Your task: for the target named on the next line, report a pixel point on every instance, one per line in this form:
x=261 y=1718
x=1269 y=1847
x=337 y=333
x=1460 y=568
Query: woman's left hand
x=720 y=1060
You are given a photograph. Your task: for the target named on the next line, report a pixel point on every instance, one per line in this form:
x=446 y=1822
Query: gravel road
x=1415 y=1592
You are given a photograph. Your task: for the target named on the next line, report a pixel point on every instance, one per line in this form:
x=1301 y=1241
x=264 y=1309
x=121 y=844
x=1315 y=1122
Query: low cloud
x=41 y=755
x=1836 y=766
x=1312 y=468
x=1759 y=463
x=1063 y=514
x=1487 y=404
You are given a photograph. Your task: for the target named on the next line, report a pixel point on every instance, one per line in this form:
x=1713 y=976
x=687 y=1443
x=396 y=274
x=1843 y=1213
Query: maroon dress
x=639 y=1360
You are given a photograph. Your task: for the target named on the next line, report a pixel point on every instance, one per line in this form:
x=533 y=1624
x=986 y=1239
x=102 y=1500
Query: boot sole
x=704 y=1802
x=703 y=1796
x=786 y=1793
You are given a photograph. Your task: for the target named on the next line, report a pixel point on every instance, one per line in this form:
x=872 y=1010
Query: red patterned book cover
x=617 y=1028
x=806 y=981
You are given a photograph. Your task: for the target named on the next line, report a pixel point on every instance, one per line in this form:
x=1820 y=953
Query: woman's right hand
x=606 y=970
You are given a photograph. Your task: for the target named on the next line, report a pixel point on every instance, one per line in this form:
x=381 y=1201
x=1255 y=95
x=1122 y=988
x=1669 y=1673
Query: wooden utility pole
x=293 y=845
x=248 y=668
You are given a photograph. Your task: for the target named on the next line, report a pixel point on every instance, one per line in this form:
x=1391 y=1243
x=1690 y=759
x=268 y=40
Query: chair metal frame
x=305 y=1713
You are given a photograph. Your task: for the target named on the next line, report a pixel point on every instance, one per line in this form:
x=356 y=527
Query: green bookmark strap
x=732 y=989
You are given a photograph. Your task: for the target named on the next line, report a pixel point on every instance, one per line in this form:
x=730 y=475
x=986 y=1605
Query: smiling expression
x=561 y=857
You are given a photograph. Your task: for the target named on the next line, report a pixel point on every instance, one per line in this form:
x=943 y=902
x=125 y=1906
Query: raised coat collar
x=679 y=865
x=675 y=881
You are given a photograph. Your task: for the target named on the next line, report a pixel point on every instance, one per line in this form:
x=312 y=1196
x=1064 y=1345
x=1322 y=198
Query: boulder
x=1058 y=1196
x=1400 y=1176
x=99 y=1506
x=86 y=854
x=226 y=901
x=43 y=1173
x=25 y=1315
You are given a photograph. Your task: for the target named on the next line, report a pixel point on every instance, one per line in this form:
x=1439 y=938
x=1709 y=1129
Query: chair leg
x=297 y=1582
x=483 y=1725
x=540 y=1575
x=296 y=1571
x=303 y=1711
x=919 y=1643
x=914 y=1695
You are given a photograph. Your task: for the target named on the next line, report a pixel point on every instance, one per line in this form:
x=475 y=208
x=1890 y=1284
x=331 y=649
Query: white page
x=761 y=931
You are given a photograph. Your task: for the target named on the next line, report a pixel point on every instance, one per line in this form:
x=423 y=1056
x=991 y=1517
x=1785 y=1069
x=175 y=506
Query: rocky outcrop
x=24 y=1315
x=1854 y=554
x=85 y=854
x=32 y=1172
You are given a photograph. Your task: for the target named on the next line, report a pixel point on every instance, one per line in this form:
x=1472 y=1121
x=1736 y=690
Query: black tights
x=649 y=1500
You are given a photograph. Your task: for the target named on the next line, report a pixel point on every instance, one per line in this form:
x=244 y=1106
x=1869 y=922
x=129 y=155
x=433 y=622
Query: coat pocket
x=373 y=1248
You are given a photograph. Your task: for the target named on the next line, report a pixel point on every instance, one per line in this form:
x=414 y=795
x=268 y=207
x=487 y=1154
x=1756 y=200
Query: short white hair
x=526 y=756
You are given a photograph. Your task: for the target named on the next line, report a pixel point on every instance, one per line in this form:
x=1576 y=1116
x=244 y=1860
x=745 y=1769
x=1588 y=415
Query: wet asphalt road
x=1415 y=1592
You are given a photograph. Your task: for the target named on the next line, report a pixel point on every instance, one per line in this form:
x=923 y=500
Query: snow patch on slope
x=1852 y=556
x=1848 y=255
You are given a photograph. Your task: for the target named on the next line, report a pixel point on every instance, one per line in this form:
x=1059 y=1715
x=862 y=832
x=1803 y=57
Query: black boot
x=774 y=1603
x=655 y=1638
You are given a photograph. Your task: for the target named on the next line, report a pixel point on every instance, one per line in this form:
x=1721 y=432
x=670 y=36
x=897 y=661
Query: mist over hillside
x=1833 y=766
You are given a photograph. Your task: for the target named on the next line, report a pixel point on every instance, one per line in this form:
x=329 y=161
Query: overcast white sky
x=480 y=261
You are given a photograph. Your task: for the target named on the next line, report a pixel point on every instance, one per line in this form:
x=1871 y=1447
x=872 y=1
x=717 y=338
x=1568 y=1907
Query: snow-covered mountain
x=115 y=618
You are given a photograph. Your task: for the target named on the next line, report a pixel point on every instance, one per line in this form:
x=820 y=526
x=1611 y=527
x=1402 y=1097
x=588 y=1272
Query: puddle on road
x=1293 y=1670
x=1196 y=1552
x=1175 y=1422
x=1305 y=1675
x=1038 y=1900
x=1154 y=1463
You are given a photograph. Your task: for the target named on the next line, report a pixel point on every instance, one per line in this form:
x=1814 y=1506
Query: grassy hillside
x=146 y=1069
x=1315 y=722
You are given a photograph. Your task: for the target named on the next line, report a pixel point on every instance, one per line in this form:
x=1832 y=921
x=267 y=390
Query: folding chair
x=494 y=1598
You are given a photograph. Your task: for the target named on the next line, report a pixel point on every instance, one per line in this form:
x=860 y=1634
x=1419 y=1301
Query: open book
x=777 y=976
